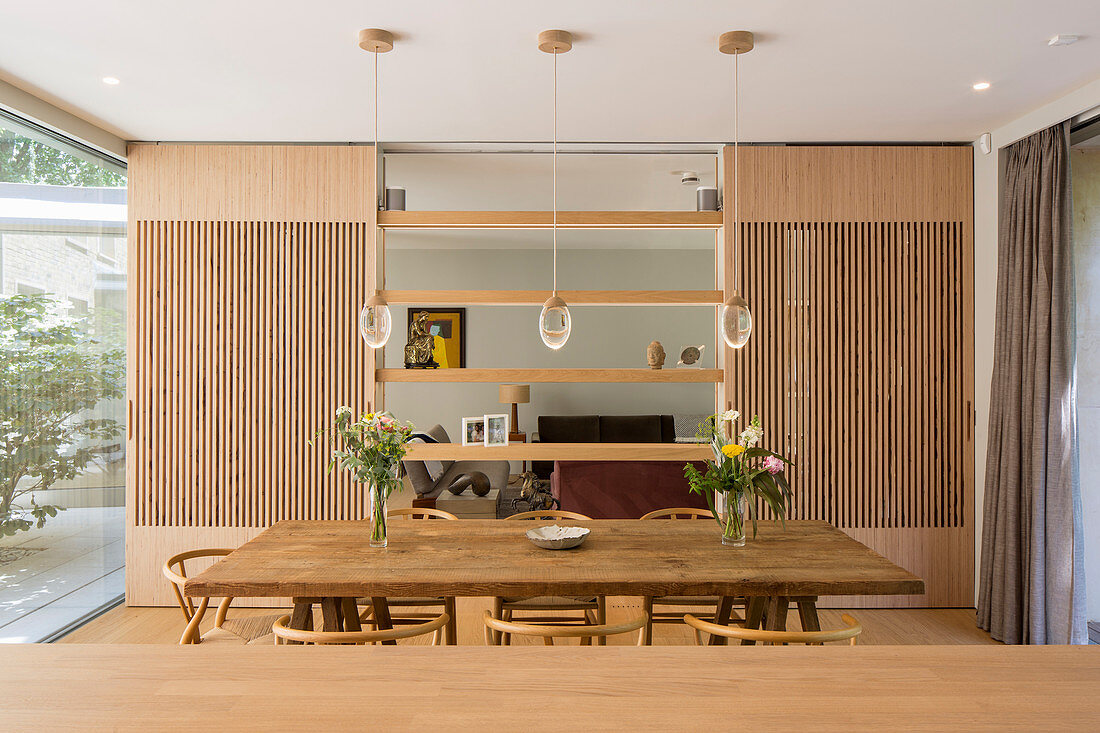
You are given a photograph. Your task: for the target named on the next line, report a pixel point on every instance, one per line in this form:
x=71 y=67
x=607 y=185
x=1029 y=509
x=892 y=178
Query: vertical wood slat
x=248 y=346
x=858 y=321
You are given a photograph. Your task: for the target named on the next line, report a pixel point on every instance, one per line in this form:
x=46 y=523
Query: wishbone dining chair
x=408 y=617
x=549 y=609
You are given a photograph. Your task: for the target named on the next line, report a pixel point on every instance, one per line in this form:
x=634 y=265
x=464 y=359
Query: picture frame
x=473 y=430
x=448 y=325
x=496 y=429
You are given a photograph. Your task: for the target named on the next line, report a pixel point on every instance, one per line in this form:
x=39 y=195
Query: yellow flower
x=733 y=450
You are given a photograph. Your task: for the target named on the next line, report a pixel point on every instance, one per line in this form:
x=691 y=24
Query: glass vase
x=376 y=514
x=733 y=526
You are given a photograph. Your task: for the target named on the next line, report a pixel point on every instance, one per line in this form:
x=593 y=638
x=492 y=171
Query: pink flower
x=773 y=465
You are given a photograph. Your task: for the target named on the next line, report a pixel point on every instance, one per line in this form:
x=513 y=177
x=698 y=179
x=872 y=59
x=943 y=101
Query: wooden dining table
x=331 y=564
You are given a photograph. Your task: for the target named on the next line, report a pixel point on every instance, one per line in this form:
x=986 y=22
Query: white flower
x=751 y=435
x=729 y=416
x=343 y=410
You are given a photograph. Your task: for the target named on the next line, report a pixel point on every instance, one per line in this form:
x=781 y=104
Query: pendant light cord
x=736 y=171
x=383 y=258
x=555 y=172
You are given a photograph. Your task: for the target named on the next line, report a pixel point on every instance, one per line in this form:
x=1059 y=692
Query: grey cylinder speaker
x=706 y=198
x=395 y=199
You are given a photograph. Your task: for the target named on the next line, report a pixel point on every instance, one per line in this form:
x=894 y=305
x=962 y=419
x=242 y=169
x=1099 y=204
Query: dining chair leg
x=548 y=640
x=754 y=615
x=498 y=612
x=647 y=630
x=601 y=618
x=452 y=625
x=506 y=639
x=722 y=617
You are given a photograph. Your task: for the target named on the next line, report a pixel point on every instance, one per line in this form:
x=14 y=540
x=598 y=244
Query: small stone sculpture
x=475 y=481
x=655 y=355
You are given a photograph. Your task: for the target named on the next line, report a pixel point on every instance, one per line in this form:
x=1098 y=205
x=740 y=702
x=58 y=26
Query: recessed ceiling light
x=981 y=86
x=110 y=80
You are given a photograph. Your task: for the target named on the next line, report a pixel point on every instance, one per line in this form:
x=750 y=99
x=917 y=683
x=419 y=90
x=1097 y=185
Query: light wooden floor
x=881 y=626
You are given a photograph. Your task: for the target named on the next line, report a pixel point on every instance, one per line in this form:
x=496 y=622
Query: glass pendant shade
x=736 y=322
x=375 y=322
x=554 y=323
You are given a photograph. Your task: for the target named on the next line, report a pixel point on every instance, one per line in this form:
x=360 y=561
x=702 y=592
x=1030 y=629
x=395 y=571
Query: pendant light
x=555 y=323
x=375 y=322
x=736 y=318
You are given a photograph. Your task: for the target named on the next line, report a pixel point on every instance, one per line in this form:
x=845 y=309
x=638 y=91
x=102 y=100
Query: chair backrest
x=175 y=570
x=549 y=632
x=285 y=633
x=550 y=514
x=849 y=633
x=418 y=512
x=683 y=512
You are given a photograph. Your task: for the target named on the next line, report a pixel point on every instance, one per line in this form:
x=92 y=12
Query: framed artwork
x=473 y=430
x=496 y=430
x=447 y=327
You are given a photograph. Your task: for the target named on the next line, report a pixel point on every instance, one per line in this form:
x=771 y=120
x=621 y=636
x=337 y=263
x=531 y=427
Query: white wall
x=603 y=336
x=986 y=199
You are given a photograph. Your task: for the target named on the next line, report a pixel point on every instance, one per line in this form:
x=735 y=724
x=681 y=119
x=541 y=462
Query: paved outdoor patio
x=52 y=576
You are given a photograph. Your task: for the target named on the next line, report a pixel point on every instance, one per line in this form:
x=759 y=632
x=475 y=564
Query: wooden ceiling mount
x=375 y=40
x=555 y=41
x=735 y=42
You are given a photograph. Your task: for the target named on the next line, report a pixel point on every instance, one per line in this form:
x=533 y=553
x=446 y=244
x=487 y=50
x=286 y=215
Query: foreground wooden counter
x=130 y=687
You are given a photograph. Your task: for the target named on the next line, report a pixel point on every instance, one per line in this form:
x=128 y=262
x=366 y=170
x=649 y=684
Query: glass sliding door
x=62 y=381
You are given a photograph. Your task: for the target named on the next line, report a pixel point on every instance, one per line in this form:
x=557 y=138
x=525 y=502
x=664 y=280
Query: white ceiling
x=861 y=70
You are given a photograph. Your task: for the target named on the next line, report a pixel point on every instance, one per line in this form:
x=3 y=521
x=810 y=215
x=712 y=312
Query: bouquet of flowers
x=740 y=472
x=372 y=449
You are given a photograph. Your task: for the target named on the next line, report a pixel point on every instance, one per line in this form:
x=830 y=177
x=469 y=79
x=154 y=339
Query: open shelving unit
x=545 y=219
x=608 y=220
x=566 y=375
x=538 y=297
x=552 y=451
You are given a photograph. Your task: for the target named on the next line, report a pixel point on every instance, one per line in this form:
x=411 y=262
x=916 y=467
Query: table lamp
x=514 y=394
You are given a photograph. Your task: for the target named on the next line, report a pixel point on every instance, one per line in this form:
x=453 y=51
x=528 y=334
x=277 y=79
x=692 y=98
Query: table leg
x=807 y=613
x=722 y=617
x=302 y=616
x=450 y=608
x=777 y=613
x=382 y=620
x=754 y=615
x=351 y=614
x=331 y=613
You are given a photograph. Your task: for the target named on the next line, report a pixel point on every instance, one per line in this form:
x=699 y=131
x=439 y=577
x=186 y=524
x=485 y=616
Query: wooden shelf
x=545 y=219
x=538 y=297
x=561 y=451
x=636 y=376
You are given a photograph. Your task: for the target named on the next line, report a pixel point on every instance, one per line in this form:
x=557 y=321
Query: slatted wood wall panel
x=244 y=341
x=860 y=361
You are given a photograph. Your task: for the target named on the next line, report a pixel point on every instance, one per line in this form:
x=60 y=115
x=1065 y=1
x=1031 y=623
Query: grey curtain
x=1032 y=581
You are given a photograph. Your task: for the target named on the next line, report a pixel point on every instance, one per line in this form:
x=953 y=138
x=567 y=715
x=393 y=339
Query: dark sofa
x=614 y=489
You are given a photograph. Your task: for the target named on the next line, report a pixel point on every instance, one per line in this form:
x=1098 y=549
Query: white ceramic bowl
x=555 y=537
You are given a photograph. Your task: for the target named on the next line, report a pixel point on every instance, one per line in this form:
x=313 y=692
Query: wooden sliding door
x=249 y=266
x=856 y=262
